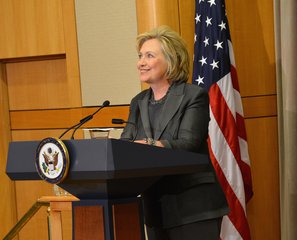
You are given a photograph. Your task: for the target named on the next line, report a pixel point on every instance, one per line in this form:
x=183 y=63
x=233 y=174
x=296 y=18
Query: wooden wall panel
x=37 y=135
x=31 y=28
x=37 y=84
x=71 y=49
x=187 y=27
x=153 y=13
x=252 y=34
x=64 y=118
x=7 y=192
x=259 y=106
x=264 y=209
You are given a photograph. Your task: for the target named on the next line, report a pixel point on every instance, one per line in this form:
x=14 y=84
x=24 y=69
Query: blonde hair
x=174 y=50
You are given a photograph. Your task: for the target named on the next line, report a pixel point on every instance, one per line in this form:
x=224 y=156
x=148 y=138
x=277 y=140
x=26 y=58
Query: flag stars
x=218 y=44
x=197 y=18
x=199 y=80
x=214 y=64
x=195 y=38
x=201 y=1
x=206 y=41
x=203 y=61
x=208 y=21
x=222 y=25
x=212 y=2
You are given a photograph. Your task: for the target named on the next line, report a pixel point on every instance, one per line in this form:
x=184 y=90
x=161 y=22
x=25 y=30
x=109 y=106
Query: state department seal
x=52 y=160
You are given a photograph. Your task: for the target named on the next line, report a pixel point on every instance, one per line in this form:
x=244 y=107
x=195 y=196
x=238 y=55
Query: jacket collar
x=171 y=105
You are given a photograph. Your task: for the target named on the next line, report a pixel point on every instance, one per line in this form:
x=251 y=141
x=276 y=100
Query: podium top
x=105 y=161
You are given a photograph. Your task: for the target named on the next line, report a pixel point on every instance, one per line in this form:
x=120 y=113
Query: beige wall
x=106 y=32
x=41 y=91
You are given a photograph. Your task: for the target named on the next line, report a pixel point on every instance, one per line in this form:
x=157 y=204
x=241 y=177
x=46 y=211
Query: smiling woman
x=174 y=114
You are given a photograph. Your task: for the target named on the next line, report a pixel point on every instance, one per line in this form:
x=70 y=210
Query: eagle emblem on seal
x=50 y=160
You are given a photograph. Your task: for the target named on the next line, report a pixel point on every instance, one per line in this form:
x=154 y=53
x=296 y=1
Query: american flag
x=214 y=69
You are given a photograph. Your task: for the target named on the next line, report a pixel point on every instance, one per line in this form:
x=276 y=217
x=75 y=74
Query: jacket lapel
x=143 y=107
x=172 y=104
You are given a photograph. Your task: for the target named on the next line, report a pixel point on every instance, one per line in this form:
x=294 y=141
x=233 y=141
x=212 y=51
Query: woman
x=174 y=114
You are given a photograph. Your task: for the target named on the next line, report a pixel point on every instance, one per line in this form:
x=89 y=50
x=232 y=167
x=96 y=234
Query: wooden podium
x=104 y=173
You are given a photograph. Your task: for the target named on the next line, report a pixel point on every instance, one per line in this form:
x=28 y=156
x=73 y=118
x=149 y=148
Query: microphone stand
x=68 y=130
x=84 y=120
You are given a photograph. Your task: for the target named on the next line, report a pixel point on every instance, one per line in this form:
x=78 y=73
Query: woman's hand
x=141 y=141
x=144 y=141
x=159 y=144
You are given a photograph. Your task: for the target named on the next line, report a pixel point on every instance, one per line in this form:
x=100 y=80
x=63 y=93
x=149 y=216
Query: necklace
x=161 y=100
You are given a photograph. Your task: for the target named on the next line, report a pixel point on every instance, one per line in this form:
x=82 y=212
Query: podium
x=106 y=172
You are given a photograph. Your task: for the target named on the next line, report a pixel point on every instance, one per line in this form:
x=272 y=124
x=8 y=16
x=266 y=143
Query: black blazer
x=181 y=199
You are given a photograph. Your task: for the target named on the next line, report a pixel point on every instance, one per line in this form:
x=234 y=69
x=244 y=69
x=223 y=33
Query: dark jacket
x=180 y=199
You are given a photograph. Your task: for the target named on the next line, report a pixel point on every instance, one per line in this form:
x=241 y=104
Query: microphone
x=84 y=120
x=118 y=121
x=121 y=121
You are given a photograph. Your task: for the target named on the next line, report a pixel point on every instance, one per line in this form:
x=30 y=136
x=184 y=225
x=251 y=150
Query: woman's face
x=151 y=64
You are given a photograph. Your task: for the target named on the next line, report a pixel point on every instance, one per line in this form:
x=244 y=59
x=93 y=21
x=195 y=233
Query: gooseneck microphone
x=121 y=121
x=89 y=117
x=84 y=120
